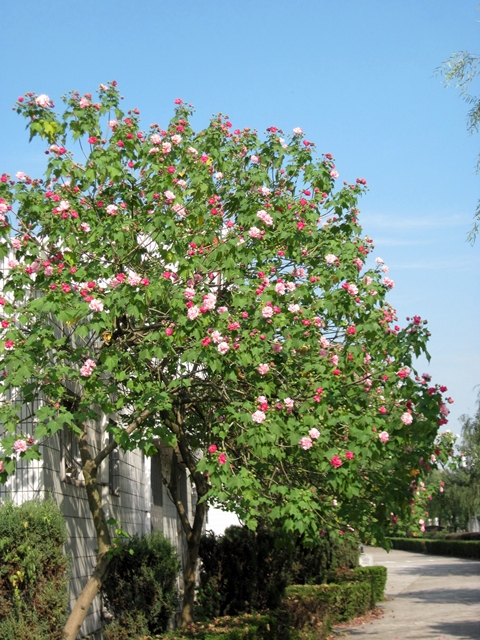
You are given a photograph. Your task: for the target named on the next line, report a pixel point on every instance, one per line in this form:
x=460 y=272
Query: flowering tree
x=211 y=290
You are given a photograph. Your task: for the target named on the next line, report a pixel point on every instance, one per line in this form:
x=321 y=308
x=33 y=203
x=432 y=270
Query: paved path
x=429 y=597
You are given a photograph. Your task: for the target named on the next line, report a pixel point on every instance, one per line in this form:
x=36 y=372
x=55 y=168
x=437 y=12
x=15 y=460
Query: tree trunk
x=193 y=532
x=94 y=584
x=85 y=599
x=190 y=572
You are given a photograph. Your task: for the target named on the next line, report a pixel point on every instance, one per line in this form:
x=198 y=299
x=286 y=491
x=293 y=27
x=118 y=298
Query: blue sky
x=356 y=75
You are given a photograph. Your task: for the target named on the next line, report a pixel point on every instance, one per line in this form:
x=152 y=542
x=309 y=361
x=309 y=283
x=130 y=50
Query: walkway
x=429 y=597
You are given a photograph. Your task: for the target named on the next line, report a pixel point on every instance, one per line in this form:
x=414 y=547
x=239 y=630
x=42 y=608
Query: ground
x=428 y=598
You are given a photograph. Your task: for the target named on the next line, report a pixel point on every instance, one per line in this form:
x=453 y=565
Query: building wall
x=132 y=507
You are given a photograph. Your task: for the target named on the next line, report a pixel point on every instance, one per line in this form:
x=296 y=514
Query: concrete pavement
x=429 y=598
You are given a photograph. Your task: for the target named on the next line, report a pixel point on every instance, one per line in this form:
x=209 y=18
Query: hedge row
x=245 y=571
x=457 y=548
x=306 y=611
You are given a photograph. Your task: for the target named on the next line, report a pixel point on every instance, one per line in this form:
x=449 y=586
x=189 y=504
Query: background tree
x=212 y=291
x=460 y=70
x=459 y=501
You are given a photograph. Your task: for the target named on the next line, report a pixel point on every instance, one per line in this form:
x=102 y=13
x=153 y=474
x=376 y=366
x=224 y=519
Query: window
x=156 y=480
x=71 y=462
x=114 y=469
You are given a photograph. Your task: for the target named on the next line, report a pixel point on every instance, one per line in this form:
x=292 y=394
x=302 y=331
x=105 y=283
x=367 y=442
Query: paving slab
x=428 y=598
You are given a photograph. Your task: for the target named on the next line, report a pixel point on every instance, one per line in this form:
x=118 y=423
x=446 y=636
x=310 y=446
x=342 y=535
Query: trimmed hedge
x=457 y=548
x=376 y=575
x=34 y=572
x=307 y=612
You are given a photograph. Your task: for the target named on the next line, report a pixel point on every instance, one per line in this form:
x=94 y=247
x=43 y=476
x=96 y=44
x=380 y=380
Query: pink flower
x=83 y=102
x=212 y=448
x=85 y=227
x=403 y=373
x=20 y=446
x=176 y=139
x=297 y=131
x=145 y=282
x=217 y=337
x=265 y=217
x=263 y=369
x=96 y=305
x=406 y=418
x=314 y=433
x=9 y=344
x=169 y=196
x=258 y=416
x=255 y=159
x=383 y=436
x=166 y=148
x=179 y=210
x=305 y=443
x=280 y=288
x=189 y=293
x=222 y=458
x=43 y=101
x=87 y=369
x=352 y=289
x=209 y=301
x=293 y=308
x=330 y=258
x=288 y=402
x=334 y=174
x=168 y=331
x=193 y=313
x=349 y=455
x=222 y=310
x=133 y=279
x=277 y=347
x=111 y=209
x=223 y=348
x=336 y=462
x=178 y=101
x=155 y=138
x=254 y=232
x=388 y=283
x=267 y=312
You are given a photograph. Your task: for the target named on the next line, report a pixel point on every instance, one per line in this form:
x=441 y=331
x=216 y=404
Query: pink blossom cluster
x=87 y=368
x=265 y=217
x=20 y=446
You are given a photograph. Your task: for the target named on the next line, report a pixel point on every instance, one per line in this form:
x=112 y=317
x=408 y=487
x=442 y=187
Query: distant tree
x=459 y=71
x=459 y=499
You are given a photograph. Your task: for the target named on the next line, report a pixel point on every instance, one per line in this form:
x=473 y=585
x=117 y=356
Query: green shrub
x=141 y=589
x=312 y=563
x=242 y=571
x=245 y=571
x=34 y=572
x=457 y=548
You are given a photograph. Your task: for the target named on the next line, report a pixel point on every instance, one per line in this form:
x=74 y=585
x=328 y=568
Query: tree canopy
x=213 y=290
